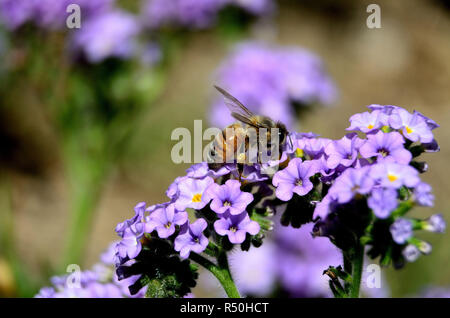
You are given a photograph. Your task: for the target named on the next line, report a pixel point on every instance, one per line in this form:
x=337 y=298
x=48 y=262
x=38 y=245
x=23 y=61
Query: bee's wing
x=237 y=109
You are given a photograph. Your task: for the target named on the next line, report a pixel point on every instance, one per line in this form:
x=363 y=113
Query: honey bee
x=252 y=139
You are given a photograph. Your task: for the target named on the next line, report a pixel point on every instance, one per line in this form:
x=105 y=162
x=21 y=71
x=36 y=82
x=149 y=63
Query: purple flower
x=255 y=270
x=367 y=122
x=99 y=282
x=14 y=13
x=411 y=253
x=343 y=152
x=351 y=182
x=401 y=230
x=322 y=208
x=164 y=219
x=201 y=170
x=191 y=238
x=423 y=194
x=436 y=223
x=172 y=191
x=131 y=231
x=130 y=246
x=435 y=292
x=295 y=178
x=430 y=122
x=112 y=34
x=314 y=148
x=255 y=7
x=394 y=175
x=236 y=227
x=254 y=173
x=192 y=193
x=229 y=198
x=139 y=211
x=385 y=109
x=413 y=126
x=268 y=80
x=383 y=202
x=386 y=147
x=195 y=14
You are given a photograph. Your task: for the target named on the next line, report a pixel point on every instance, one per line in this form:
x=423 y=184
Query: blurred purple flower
x=435 y=292
x=436 y=223
x=99 y=282
x=255 y=7
x=14 y=13
x=411 y=253
x=383 y=202
x=191 y=238
x=386 y=147
x=112 y=34
x=229 y=198
x=401 y=230
x=423 y=194
x=236 y=227
x=295 y=178
x=49 y=14
x=268 y=80
x=196 y=14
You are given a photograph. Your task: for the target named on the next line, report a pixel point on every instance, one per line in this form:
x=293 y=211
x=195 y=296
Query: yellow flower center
x=226 y=203
x=299 y=152
x=370 y=126
x=233 y=229
x=197 y=197
x=408 y=130
x=392 y=178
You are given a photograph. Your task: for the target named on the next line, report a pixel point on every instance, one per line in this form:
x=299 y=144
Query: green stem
x=357 y=266
x=86 y=174
x=220 y=271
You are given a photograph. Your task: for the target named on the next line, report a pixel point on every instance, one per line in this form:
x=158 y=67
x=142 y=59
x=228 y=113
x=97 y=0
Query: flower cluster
x=197 y=14
x=108 y=31
x=99 y=282
x=380 y=172
x=47 y=14
x=272 y=82
x=357 y=190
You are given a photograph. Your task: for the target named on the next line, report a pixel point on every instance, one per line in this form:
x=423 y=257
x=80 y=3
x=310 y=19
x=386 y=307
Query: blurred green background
x=118 y=157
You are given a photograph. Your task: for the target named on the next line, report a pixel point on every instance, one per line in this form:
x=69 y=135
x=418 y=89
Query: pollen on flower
x=168 y=225
x=408 y=130
x=233 y=229
x=197 y=197
x=226 y=203
x=392 y=178
x=370 y=126
x=299 y=152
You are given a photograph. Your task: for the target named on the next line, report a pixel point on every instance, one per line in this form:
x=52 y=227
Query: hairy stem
x=221 y=271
